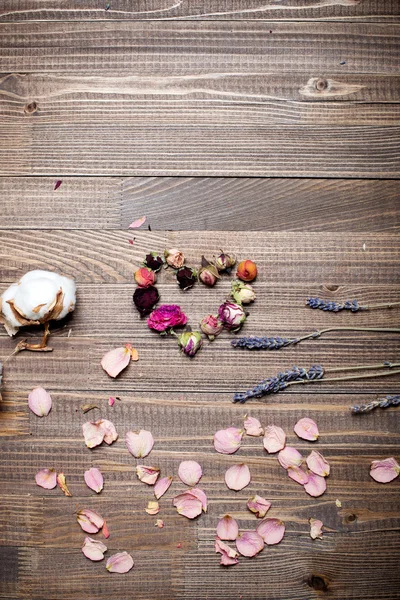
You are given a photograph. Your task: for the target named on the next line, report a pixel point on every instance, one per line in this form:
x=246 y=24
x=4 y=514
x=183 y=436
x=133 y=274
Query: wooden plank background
x=268 y=129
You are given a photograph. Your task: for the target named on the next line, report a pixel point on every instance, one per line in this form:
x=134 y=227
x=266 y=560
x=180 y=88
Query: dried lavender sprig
x=381 y=403
x=352 y=305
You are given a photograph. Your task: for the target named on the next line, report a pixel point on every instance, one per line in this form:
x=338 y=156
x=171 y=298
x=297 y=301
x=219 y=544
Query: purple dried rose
x=165 y=317
x=186 y=278
x=211 y=326
x=190 y=342
x=231 y=315
x=145 y=299
x=153 y=261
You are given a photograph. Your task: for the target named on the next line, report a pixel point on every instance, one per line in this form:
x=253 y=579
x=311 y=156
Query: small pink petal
x=148 y=475
x=253 y=427
x=140 y=444
x=190 y=472
x=57 y=184
x=316 y=485
x=227 y=528
x=258 y=505
x=159 y=523
x=200 y=495
x=93 y=433
x=89 y=520
x=110 y=433
x=115 y=361
x=153 y=508
x=94 y=480
x=39 y=401
x=188 y=505
x=298 y=474
x=307 y=429
x=93 y=549
x=122 y=562
x=315 y=529
x=46 y=478
x=104 y=530
x=63 y=484
x=228 y=555
x=290 y=457
x=384 y=471
x=317 y=464
x=249 y=543
x=274 y=439
x=271 y=531
x=162 y=486
x=227 y=441
x=237 y=477
x=111 y=401
x=137 y=223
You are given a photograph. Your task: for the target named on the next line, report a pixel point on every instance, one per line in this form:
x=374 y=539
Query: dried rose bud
x=211 y=326
x=243 y=293
x=145 y=277
x=247 y=270
x=165 y=317
x=153 y=261
x=232 y=315
x=190 y=342
x=208 y=273
x=186 y=278
x=174 y=258
x=145 y=299
x=225 y=261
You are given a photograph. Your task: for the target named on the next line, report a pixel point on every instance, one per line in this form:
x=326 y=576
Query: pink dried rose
x=61 y=481
x=231 y=315
x=161 y=486
x=259 y=506
x=307 y=429
x=159 y=523
x=148 y=475
x=271 y=531
x=145 y=277
x=228 y=555
x=290 y=457
x=122 y=562
x=175 y=258
x=190 y=342
x=46 y=478
x=227 y=441
x=315 y=529
x=190 y=472
x=89 y=520
x=137 y=223
x=274 y=439
x=211 y=326
x=208 y=273
x=188 y=505
x=153 y=508
x=317 y=464
x=316 y=485
x=39 y=401
x=249 y=543
x=227 y=528
x=252 y=426
x=93 y=549
x=298 y=474
x=94 y=479
x=384 y=471
x=165 y=317
x=116 y=360
x=140 y=443
x=95 y=432
x=237 y=477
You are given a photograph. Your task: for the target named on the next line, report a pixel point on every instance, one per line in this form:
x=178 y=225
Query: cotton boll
x=35 y=298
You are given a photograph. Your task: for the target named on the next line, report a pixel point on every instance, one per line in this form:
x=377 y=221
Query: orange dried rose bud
x=247 y=270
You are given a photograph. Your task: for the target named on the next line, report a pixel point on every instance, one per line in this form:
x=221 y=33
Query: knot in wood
x=321 y=84
x=318 y=582
x=31 y=108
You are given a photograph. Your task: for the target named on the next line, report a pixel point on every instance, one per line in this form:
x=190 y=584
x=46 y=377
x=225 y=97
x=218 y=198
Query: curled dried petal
x=228 y=555
x=237 y=477
x=94 y=479
x=46 y=478
x=227 y=528
x=116 y=360
x=258 y=505
x=298 y=474
x=188 y=505
x=200 y=495
x=110 y=433
x=162 y=486
x=249 y=543
x=190 y=472
x=159 y=523
x=39 y=401
x=104 y=530
x=272 y=531
x=253 y=427
x=63 y=484
x=122 y=562
x=307 y=429
x=227 y=441
x=317 y=464
x=274 y=439
x=290 y=457
x=148 y=475
x=89 y=520
x=384 y=471
x=137 y=223
x=93 y=433
x=140 y=444
x=315 y=528
x=93 y=549
x=153 y=508
x=316 y=485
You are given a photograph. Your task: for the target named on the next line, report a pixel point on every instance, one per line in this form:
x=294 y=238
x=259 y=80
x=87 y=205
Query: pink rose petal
x=148 y=475
x=274 y=439
x=122 y=562
x=290 y=457
x=258 y=505
x=39 y=401
x=316 y=485
x=162 y=486
x=227 y=441
x=104 y=530
x=93 y=549
x=228 y=555
x=110 y=433
x=111 y=401
x=307 y=429
x=249 y=543
x=159 y=523
x=271 y=531
x=190 y=472
x=140 y=444
x=227 y=528
x=93 y=433
x=315 y=529
x=298 y=474
x=153 y=508
x=200 y=495
x=384 y=471
x=237 y=477
x=188 y=505
x=115 y=361
x=46 y=478
x=137 y=223
x=94 y=479
x=317 y=464
x=89 y=520
x=253 y=427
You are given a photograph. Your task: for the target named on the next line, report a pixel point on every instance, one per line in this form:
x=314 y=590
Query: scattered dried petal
x=274 y=439
x=384 y=471
x=317 y=464
x=138 y=223
x=110 y=433
x=94 y=479
x=290 y=457
x=307 y=429
x=153 y=508
x=227 y=441
x=122 y=562
x=227 y=528
x=105 y=530
x=200 y=495
x=298 y=474
x=237 y=477
x=188 y=505
x=46 y=478
x=249 y=543
x=159 y=523
x=140 y=444
x=89 y=520
x=315 y=528
x=316 y=485
x=271 y=531
x=39 y=401
x=190 y=472
x=147 y=474
x=162 y=486
x=86 y=407
x=338 y=503
x=111 y=401
x=93 y=549
x=93 y=433
x=258 y=505
x=253 y=427
x=63 y=484
x=57 y=184
x=228 y=555
x=116 y=360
